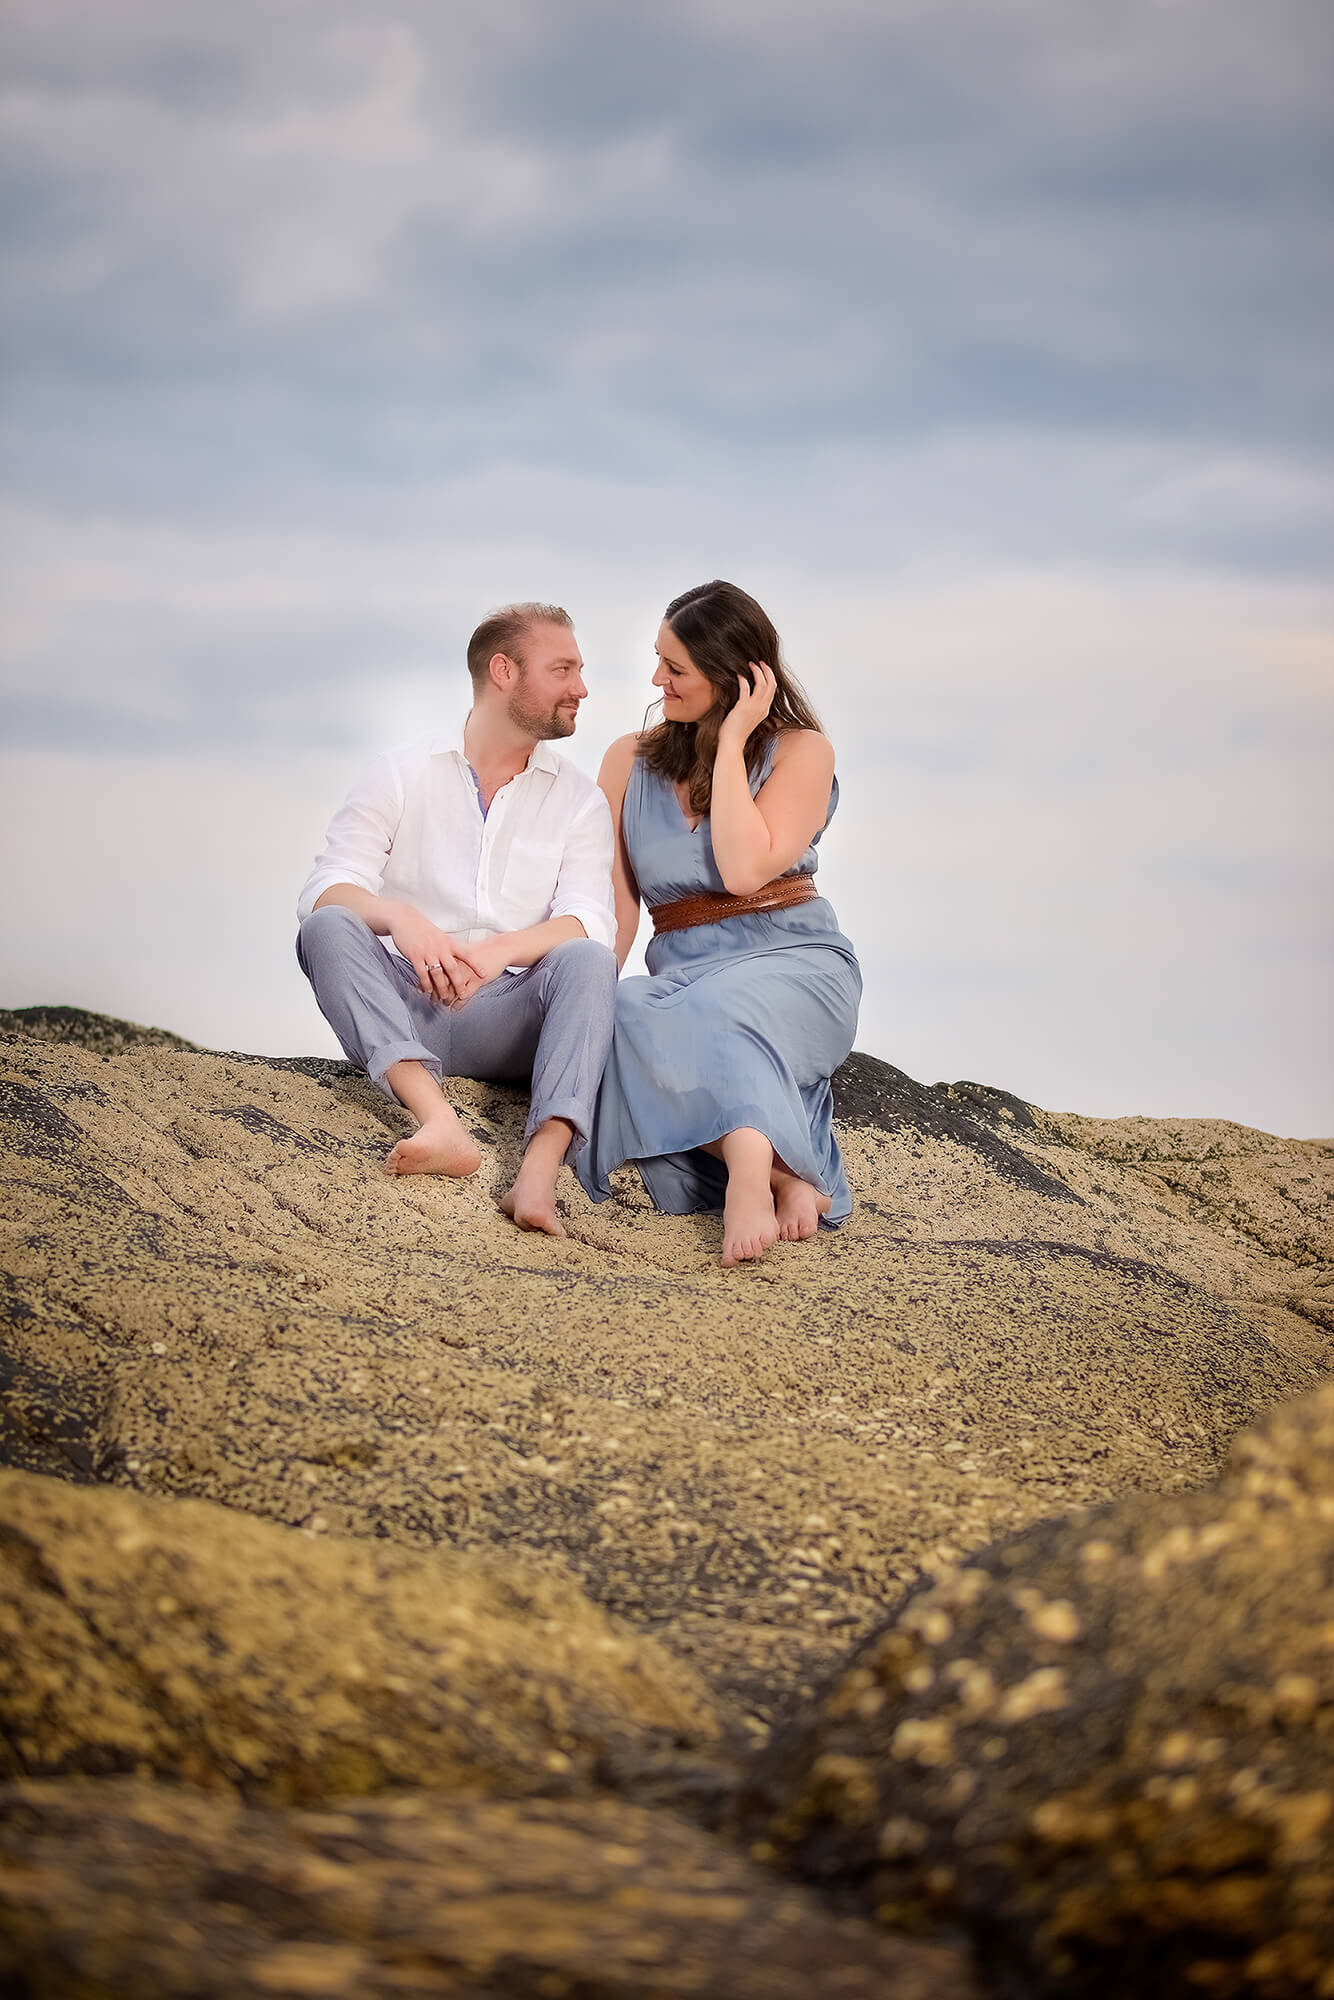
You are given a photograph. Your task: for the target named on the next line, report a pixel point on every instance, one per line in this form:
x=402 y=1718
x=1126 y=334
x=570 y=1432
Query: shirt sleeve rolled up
x=361 y=833
x=583 y=886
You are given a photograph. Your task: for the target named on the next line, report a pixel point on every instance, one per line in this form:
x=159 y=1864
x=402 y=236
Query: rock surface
x=211 y=1295
x=1106 y=1747
x=212 y=1292
x=194 y=1642
x=121 y=1891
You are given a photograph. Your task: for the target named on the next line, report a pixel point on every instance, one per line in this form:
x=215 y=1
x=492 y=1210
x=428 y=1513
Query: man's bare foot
x=439 y=1146
x=750 y=1225
x=799 y=1207
x=531 y=1202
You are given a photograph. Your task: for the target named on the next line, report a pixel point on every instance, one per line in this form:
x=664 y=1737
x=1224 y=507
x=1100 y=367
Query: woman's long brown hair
x=723 y=630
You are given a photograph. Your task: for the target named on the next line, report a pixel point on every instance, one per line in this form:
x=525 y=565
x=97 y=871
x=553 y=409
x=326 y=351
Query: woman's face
x=687 y=694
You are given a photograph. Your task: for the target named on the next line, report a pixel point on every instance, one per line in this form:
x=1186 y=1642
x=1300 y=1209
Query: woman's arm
x=613 y=778
x=755 y=839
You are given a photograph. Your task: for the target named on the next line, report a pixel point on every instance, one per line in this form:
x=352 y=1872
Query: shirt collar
x=543 y=757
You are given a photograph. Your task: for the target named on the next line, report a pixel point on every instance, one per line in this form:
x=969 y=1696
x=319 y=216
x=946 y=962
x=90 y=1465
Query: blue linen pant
x=551 y=1022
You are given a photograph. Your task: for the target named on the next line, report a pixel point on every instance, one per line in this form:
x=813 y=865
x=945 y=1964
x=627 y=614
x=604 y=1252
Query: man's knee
x=327 y=932
x=585 y=963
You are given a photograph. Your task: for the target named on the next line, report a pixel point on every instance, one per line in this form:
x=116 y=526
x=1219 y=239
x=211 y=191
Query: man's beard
x=541 y=724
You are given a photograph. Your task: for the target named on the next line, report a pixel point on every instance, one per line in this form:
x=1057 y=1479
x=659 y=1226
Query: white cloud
x=295 y=195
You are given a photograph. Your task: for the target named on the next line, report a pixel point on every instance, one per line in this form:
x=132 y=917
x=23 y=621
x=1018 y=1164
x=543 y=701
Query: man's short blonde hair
x=504 y=631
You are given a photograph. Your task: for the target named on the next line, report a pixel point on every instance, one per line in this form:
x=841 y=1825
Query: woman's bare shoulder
x=805 y=747
x=617 y=759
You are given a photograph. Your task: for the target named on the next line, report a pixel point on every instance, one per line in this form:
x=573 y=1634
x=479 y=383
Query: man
x=460 y=919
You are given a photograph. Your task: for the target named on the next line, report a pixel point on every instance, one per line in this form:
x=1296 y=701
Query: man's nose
x=580 y=687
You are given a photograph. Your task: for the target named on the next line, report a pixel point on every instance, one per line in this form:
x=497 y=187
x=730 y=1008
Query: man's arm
x=351 y=867
x=361 y=833
x=480 y=963
x=432 y=953
x=581 y=907
x=583 y=886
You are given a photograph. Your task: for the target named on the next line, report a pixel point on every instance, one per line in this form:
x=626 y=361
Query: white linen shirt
x=411 y=829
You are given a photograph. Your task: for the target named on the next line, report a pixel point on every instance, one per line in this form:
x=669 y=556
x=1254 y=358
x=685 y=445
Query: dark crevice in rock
x=265 y=1126
x=1027 y=1251
x=41 y=1127
x=40 y=1130
x=49 y=1423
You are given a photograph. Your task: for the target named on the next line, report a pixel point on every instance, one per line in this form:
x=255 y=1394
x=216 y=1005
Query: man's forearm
x=377 y=911
x=526 y=947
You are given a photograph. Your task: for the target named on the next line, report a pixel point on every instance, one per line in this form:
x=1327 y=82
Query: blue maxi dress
x=740 y=1023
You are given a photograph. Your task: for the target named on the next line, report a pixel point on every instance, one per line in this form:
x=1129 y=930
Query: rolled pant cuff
x=385 y=1057
x=573 y=1111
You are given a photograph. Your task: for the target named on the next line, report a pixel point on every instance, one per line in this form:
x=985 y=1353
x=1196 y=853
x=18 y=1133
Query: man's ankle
x=550 y=1142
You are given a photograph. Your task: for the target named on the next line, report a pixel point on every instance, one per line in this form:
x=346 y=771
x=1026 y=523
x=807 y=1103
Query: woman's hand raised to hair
x=752 y=705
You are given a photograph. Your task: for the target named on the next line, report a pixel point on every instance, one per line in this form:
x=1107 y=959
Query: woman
x=717 y=1086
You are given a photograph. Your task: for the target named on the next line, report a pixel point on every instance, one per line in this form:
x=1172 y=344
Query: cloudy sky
x=986 y=341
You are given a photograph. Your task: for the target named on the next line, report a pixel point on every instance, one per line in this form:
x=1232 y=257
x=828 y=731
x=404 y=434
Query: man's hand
x=433 y=955
x=480 y=963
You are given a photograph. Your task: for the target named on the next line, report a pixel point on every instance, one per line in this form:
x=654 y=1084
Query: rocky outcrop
x=520 y=1501
x=190 y=1641
x=1105 y=1747
x=212 y=1293
x=123 y=1891
x=75 y=1027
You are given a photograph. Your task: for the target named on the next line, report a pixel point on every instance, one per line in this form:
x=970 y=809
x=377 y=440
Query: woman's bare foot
x=439 y=1146
x=799 y=1207
x=750 y=1226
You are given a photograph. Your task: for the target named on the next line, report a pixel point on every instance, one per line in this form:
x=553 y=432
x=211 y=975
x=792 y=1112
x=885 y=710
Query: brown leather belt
x=780 y=894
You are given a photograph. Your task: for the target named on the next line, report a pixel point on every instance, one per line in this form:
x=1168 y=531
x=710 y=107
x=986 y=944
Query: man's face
x=549 y=686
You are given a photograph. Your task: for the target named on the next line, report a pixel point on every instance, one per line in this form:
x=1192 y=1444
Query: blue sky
x=986 y=343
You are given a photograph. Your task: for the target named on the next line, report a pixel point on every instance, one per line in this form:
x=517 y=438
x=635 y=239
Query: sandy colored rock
x=212 y=1292
x=1105 y=1746
x=320 y=1394
x=117 y=1890
x=182 y=1638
